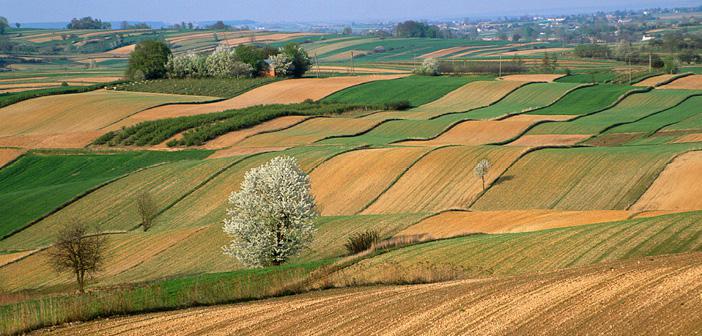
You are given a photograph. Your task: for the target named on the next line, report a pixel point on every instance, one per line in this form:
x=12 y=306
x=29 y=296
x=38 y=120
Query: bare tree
x=481 y=170
x=77 y=252
x=147 y=209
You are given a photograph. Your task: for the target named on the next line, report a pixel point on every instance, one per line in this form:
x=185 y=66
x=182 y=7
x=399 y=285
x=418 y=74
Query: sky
x=304 y=10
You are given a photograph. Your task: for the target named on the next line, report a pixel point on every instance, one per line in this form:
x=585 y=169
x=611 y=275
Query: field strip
x=280 y=92
x=443 y=179
x=9 y=155
x=460 y=222
x=656 y=295
x=691 y=82
x=8 y=258
x=343 y=185
x=676 y=187
x=481 y=132
x=76 y=199
x=232 y=138
x=532 y=77
x=655 y=80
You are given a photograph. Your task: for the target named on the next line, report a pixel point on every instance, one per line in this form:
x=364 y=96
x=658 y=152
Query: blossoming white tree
x=429 y=67
x=481 y=169
x=270 y=218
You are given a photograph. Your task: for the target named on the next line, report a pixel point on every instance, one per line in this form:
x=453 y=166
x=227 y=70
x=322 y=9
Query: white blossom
x=270 y=217
x=429 y=67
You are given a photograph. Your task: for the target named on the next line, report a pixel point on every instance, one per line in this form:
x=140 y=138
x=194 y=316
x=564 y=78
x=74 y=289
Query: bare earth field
x=677 y=188
x=281 y=92
x=9 y=154
x=693 y=82
x=652 y=81
x=456 y=223
x=659 y=295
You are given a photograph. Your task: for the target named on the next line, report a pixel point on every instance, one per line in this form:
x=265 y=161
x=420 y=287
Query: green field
x=38 y=183
x=579 y=178
x=585 y=100
x=540 y=251
x=689 y=109
x=526 y=97
x=632 y=108
x=401 y=48
x=212 y=87
x=418 y=90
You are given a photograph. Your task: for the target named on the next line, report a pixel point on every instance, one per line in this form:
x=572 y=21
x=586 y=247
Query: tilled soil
x=649 y=296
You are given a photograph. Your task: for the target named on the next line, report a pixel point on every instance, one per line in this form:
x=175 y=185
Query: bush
x=148 y=60
x=299 y=59
x=361 y=241
x=399 y=105
x=430 y=67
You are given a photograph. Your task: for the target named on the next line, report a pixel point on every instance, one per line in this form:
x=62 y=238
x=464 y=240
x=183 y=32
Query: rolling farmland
x=478 y=180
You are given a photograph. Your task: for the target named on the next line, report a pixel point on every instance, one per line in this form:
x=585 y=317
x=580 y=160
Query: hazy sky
x=302 y=10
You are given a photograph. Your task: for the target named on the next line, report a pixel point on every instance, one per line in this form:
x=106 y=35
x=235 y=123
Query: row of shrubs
x=202 y=128
x=213 y=87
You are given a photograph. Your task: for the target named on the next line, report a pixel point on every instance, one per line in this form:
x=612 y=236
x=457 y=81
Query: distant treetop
x=88 y=23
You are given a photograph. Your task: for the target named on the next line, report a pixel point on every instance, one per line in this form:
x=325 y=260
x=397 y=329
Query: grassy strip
x=202 y=128
x=7 y=99
x=213 y=87
x=36 y=184
x=178 y=293
x=418 y=90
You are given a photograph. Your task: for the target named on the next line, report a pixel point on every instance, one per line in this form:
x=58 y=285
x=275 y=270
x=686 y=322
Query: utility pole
x=316 y=60
x=353 y=71
x=650 y=62
x=500 y=74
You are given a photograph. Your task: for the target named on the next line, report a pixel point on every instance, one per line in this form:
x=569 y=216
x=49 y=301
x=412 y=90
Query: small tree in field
x=77 y=252
x=270 y=218
x=148 y=60
x=429 y=67
x=147 y=208
x=481 y=170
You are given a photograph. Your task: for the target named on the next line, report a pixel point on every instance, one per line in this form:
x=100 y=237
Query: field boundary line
x=351 y=149
x=559 y=98
x=266 y=132
x=399 y=176
x=8 y=163
x=368 y=82
x=359 y=133
x=642 y=118
x=79 y=197
x=673 y=79
x=658 y=175
x=519 y=158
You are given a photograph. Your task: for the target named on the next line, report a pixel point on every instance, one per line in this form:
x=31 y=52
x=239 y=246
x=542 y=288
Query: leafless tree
x=147 y=209
x=77 y=252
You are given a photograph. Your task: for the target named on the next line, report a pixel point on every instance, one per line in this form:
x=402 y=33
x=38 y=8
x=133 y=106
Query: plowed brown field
x=694 y=137
x=652 y=296
x=9 y=154
x=693 y=82
x=456 y=223
x=281 y=92
x=348 y=182
x=652 y=81
x=677 y=187
x=480 y=132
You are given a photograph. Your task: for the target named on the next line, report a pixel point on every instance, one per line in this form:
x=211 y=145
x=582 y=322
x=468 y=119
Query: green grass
x=590 y=178
x=690 y=108
x=418 y=90
x=528 y=97
x=585 y=100
x=36 y=184
x=177 y=293
x=204 y=127
x=632 y=108
x=692 y=123
x=213 y=87
x=540 y=251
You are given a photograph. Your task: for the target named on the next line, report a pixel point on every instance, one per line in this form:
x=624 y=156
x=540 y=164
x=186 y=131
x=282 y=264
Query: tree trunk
x=483 y=178
x=80 y=278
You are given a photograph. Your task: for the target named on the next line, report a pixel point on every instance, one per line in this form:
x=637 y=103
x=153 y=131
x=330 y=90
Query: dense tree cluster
x=418 y=29
x=148 y=60
x=242 y=61
x=88 y=23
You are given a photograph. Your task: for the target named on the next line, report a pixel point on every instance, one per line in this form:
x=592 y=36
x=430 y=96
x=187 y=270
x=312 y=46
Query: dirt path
x=644 y=296
x=677 y=188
